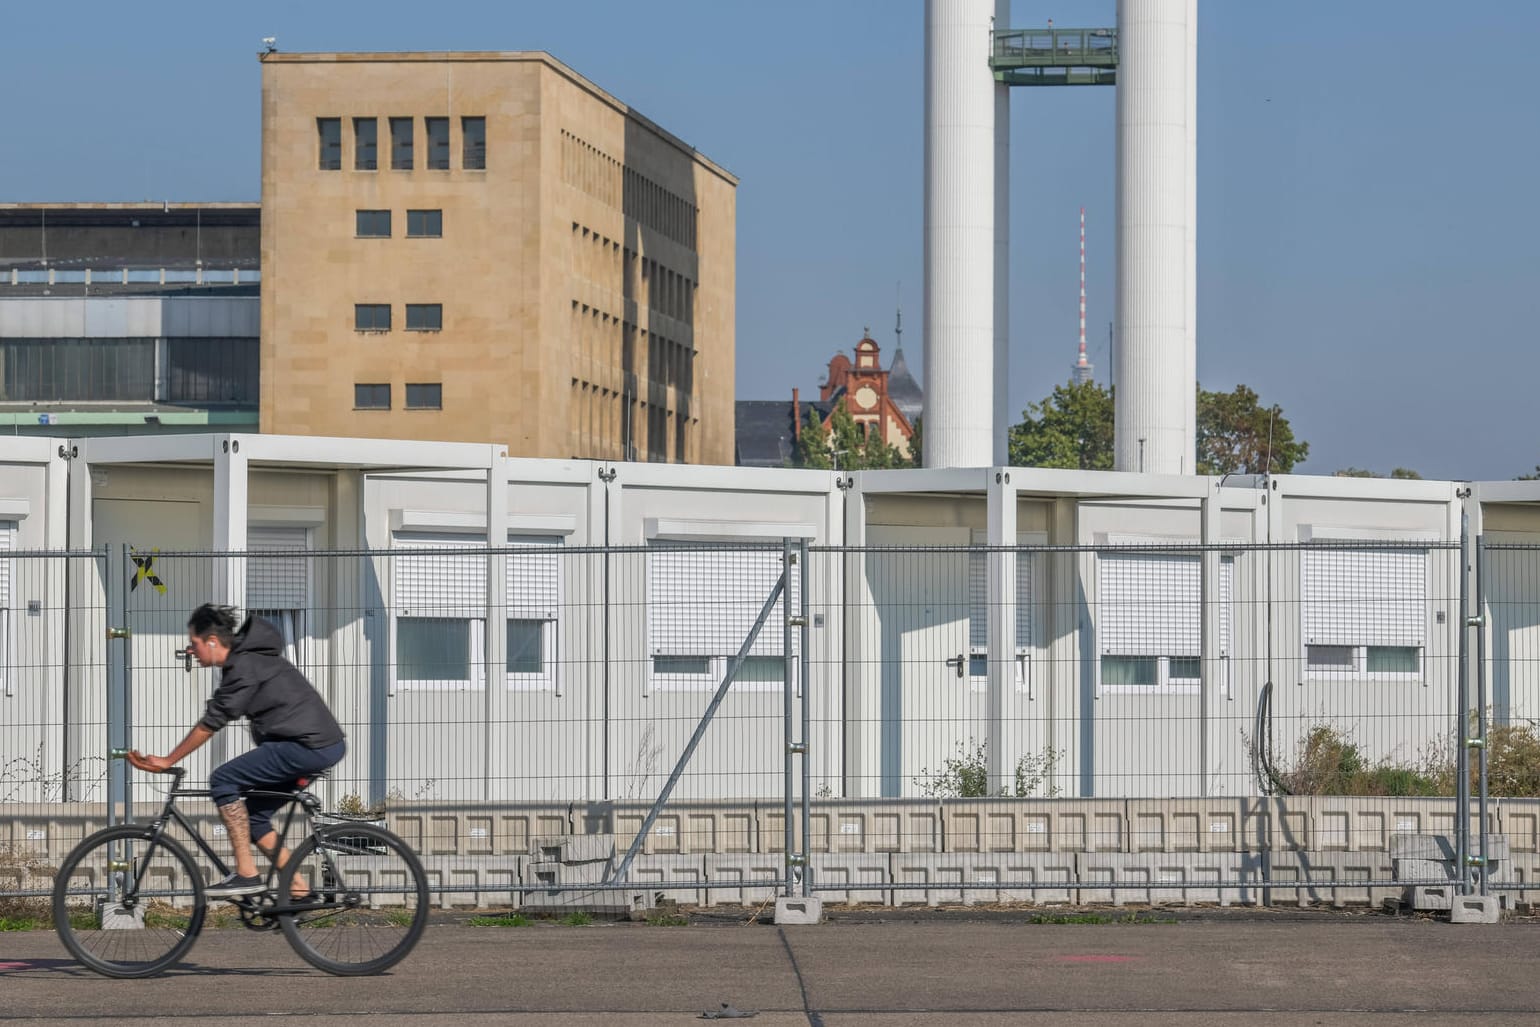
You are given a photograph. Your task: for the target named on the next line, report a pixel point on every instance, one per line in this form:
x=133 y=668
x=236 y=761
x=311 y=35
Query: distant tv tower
x=1082 y=369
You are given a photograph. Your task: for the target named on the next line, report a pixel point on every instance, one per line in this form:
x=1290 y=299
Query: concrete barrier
x=1185 y=878
x=1034 y=825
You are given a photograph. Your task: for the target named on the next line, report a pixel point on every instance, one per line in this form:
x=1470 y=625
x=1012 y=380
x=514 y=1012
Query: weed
x=577 y=918
x=965 y=775
x=668 y=920
x=500 y=920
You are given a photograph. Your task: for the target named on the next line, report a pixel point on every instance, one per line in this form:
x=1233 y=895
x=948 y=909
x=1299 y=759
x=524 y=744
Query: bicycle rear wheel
x=126 y=906
x=371 y=899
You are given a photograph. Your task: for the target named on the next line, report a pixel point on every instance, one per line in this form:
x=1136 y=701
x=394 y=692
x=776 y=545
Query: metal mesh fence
x=1131 y=722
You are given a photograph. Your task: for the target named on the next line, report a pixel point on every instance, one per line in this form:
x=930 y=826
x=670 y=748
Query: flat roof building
x=465 y=246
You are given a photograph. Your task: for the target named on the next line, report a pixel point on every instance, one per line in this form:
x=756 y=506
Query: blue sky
x=1367 y=200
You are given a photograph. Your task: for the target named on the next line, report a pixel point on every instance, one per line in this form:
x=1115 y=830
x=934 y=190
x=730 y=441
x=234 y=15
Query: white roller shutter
x=534 y=577
x=978 y=600
x=1364 y=596
x=7 y=577
x=277 y=582
x=703 y=601
x=1151 y=604
x=450 y=582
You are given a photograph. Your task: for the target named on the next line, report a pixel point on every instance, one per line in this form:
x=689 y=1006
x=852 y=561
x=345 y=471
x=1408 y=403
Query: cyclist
x=296 y=735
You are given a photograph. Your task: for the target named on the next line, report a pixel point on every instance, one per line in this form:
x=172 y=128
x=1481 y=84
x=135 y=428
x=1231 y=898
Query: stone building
x=463 y=246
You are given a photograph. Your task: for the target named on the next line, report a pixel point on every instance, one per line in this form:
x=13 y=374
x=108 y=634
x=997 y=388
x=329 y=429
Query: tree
x=916 y=443
x=844 y=445
x=1400 y=473
x=1237 y=435
x=812 y=449
x=1074 y=428
x=1071 y=428
x=1529 y=477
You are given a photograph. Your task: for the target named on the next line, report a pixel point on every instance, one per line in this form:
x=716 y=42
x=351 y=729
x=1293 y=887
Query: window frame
x=360 y=147
x=419 y=308
x=322 y=144
x=372 y=385
x=1165 y=684
x=978 y=655
x=428 y=123
x=422 y=214
x=548 y=679
x=1365 y=540
x=409 y=405
x=359 y=308
x=400 y=146
x=476 y=662
x=466 y=149
x=716 y=663
x=358 y=224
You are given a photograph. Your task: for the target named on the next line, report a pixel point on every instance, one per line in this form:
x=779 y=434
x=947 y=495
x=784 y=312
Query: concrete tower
x=1156 y=356
x=960 y=235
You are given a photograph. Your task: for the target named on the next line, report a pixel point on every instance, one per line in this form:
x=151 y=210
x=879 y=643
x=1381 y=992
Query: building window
x=437 y=652
x=438 y=143
x=533 y=595
x=212 y=371
x=366 y=144
x=373 y=396
x=440 y=611
x=424 y=224
x=701 y=604
x=474 y=154
x=371 y=317
x=374 y=224
x=1364 y=611
x=424 y=317
x=278 y=582
x=978 y=613
x=1150 y=621
x=80 y=369
x=425 y=396
x=401 y=144
x=330 y=132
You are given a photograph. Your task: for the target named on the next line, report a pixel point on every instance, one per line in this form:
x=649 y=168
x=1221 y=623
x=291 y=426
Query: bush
x=966 y=774
x=1330 y=763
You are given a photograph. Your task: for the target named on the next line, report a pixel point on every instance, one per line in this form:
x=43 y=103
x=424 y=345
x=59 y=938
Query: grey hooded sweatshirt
x=257 y=683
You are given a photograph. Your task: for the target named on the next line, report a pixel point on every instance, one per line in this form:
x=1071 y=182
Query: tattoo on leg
x=238 y=827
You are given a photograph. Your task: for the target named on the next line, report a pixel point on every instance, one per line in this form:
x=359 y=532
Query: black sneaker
x=235 y=885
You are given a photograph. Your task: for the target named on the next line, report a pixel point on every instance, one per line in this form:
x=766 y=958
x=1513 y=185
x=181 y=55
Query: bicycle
x=129 y=901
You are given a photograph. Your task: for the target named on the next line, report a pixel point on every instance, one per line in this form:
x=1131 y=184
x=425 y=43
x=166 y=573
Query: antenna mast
x=1082 y=368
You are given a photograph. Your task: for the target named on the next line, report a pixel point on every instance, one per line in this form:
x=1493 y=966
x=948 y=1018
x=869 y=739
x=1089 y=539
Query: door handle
x=185 y=655
x=959 y=661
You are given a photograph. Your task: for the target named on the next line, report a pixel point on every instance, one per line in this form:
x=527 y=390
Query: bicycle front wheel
x=368 y=900
x=126 y=905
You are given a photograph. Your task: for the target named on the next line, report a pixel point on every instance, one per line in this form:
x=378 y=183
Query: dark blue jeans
x=275 y=766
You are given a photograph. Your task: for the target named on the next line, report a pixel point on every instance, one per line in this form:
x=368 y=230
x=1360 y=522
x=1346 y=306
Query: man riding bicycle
x=296 y=735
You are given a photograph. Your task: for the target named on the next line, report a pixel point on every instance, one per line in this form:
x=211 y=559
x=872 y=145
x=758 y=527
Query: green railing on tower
x=1055 y=57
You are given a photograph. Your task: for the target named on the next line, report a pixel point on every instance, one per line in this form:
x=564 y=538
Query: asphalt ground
x=966 y=968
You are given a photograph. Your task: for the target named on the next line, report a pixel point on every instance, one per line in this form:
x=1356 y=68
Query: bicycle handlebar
x=176 y=772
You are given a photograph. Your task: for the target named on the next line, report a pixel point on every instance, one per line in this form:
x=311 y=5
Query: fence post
x=1210 y=669
x=117 y=643
x=788 y=558
x=1479 y=622
x=806 y=679
x=1462 y=715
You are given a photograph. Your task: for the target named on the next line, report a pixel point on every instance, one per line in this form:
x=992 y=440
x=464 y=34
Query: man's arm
x=194 y=740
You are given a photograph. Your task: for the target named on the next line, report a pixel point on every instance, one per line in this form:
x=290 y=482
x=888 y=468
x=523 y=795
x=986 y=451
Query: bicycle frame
x=170 y=814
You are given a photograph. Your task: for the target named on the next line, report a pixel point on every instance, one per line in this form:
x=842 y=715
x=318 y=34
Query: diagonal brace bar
x=700 y=729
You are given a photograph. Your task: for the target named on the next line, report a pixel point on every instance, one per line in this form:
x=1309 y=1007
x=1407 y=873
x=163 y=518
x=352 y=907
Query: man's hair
x=219 y=621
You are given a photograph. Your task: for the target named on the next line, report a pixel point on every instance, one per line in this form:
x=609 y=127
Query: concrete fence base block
x=797 y=910
x=1474 y=909
x=116 y=918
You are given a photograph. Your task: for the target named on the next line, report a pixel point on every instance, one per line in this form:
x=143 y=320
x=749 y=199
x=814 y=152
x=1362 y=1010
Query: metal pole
x=805 y=616
x=788 y=557
x=1478 y=620
x=117 y=686
x=1462 y=707
x=700 y=730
